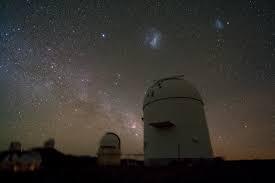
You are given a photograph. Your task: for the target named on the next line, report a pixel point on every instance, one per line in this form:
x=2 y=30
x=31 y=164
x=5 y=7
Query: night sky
x=73 y=70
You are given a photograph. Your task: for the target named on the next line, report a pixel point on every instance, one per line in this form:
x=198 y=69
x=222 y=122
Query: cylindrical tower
x=174 y=123
x=109 y=150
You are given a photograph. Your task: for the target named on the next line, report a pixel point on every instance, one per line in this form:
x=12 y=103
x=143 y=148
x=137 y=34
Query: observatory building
x=21 y=161
x=175 y=127
x=109 y=150
x=15 y=146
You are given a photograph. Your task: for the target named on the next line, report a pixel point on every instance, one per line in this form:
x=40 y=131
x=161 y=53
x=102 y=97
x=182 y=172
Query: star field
x=74 y=70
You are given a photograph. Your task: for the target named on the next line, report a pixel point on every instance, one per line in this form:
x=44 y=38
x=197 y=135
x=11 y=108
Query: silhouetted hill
x=53 y=159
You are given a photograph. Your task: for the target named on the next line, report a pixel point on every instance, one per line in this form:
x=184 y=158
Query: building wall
x=178 y=141
x=108 y=160
x=108 y=157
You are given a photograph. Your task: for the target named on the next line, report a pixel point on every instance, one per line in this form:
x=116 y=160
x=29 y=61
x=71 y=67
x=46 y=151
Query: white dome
x=109 y=150
x=110 y=140
x=175 y=126
x=172 y=87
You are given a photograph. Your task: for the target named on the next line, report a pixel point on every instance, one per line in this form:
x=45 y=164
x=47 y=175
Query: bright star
x=103 y=35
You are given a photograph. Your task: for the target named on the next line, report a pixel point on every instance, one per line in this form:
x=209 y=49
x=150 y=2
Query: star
x=103 y=35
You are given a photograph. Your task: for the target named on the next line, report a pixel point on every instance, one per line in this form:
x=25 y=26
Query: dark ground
x=239 y=171
x=57 y=167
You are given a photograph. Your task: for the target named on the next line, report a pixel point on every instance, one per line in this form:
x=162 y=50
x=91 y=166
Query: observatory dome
x=110 y=140
x=109 y=150
x=175 y=126
x=21 y=161
x=171 y=87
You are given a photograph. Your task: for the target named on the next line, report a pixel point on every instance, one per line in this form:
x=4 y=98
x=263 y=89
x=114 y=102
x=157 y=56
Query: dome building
x=175 y=127
x=15 y=146
x=109 y=150
x=21 y=161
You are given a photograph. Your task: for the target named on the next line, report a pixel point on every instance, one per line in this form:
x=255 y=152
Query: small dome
x=15 y=146
x=172 y=87
x=110 y=140
x=23 y=161
x=109 y=150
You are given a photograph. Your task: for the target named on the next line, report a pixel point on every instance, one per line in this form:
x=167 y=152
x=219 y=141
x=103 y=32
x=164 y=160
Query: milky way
x=75 y=70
